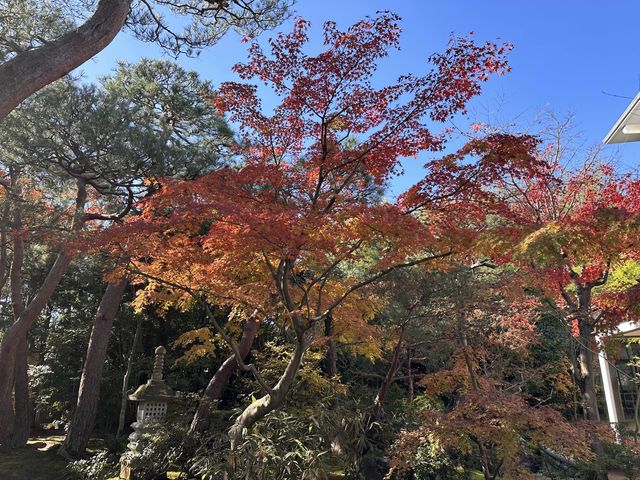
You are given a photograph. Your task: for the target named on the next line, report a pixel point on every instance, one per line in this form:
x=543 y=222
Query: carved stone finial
x=158 y=365
x=155 y=389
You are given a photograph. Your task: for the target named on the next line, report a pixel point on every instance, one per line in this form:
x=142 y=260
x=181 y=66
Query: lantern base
x=126 y=472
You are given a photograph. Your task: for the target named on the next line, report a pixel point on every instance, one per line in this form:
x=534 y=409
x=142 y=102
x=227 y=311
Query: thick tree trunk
x=218 y=383
x=21 y=376
x=127 y=376
x=586 y=360
x=331 y=357
x=21 y=396
x=32 y=70
x=6 y=420
x=20 y=415
x=586 y=353
x=84 y=414
x=18 y=330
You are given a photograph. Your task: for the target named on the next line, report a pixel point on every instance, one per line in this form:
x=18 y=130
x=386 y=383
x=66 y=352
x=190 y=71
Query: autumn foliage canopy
x=298 y=229
x=294 y=226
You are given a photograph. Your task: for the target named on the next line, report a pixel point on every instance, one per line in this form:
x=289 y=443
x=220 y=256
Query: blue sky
x=567 y=52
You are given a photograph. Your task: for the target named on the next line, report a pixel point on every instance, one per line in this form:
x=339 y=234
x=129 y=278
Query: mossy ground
x=36 y=461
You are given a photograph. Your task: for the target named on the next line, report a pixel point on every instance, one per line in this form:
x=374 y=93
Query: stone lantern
x=153 y=399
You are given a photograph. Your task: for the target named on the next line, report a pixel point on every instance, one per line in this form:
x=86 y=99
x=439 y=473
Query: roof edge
x=625 y=115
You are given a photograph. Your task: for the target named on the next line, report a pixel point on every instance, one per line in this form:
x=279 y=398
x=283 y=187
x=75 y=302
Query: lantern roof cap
x=155 y=389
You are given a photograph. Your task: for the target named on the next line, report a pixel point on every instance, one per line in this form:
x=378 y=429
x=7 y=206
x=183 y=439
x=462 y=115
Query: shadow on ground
x=39 y=461
x=36 y=461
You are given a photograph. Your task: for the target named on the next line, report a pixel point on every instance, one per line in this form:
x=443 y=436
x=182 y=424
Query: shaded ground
x=617 y=476
x=36 y=461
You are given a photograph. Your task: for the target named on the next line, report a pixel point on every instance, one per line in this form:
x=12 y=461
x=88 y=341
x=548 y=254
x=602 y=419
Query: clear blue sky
x=566 y=53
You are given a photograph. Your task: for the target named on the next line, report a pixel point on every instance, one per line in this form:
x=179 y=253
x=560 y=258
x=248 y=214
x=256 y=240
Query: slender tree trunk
x=18 y=330
x=42 y=414
x=22 y=417
x=331 y=356
x=15 y=334
x=367 y=463
x=388 y=379
x=410 y=392
x=486 y=458
x=127 y=375
x=586 y=361
x=575 y=374
x=219 y=381
x=636 y=415
x=464 y=343
x=266 y=404
x=29 y=71
x=84 y=414
x=270 y=402
x=5 y=218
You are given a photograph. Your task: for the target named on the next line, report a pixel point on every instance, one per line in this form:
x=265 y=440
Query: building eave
x=631 y=116
x=629 y=329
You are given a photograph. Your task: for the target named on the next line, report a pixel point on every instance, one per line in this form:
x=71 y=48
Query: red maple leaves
x=307 y=191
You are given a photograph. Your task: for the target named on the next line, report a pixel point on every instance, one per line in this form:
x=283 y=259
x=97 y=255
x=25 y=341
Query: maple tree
x=576 y=232
x=298 y=231
x=573 y=231
x=486 y=415
x=448 y=329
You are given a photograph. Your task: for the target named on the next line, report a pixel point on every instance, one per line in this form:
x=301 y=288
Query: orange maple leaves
x=301 y=221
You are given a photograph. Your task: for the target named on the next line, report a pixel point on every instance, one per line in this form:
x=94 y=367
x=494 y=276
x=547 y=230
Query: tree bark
x=581 y=307
x=586 y=350
x=410 y=389
x=636 y=415
x=21 y=396
x=219 y=381
x=84 y=415
x=20 y=414
x=127 y=376
x=4 y=227
x=270 y=402
x=586 y=361
x=21 y=375
x=15 y=334
x=388 y=379
x=7 y=421
x=331 y=357
x=29 y=71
